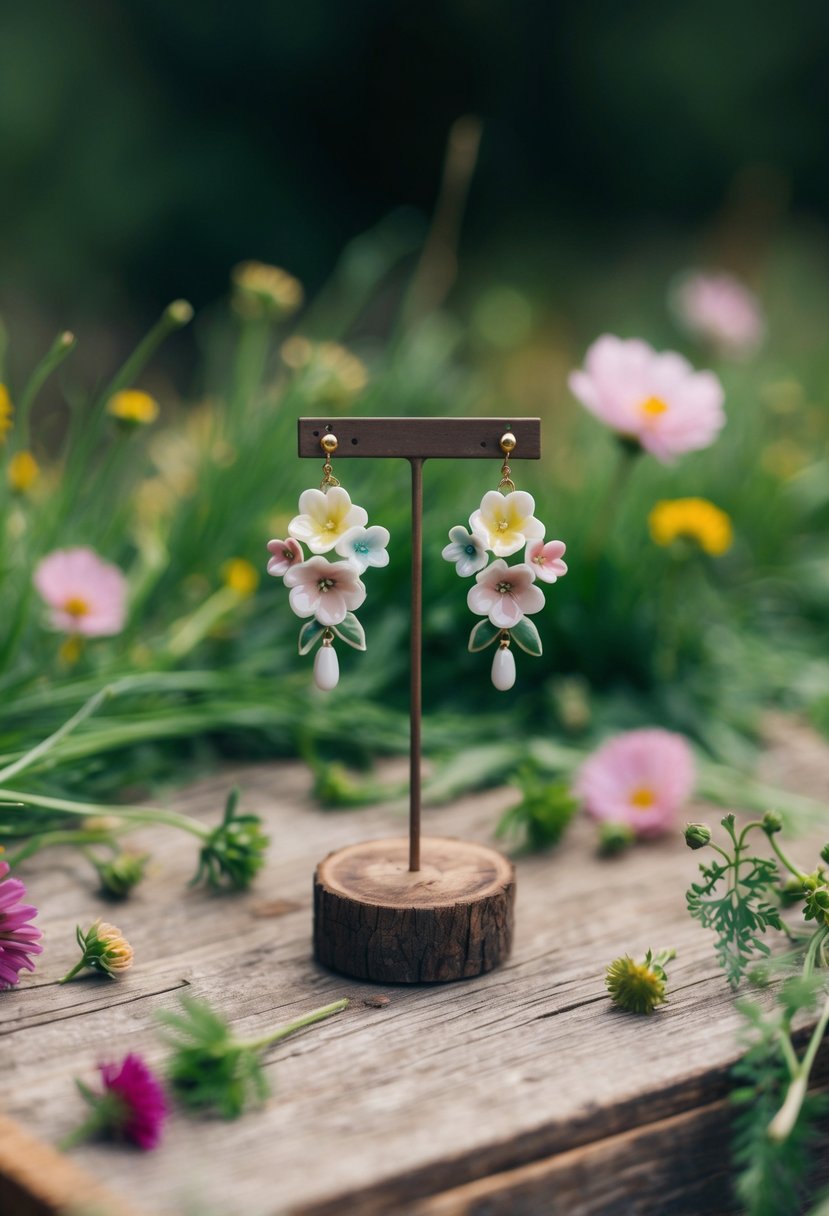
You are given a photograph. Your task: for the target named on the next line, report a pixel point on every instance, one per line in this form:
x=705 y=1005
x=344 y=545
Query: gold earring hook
x=507 y=444
x=328 y=443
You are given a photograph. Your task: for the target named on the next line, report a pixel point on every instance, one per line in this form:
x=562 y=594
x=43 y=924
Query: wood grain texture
x=389 y=1105
x=424 y=438
x=375 y=919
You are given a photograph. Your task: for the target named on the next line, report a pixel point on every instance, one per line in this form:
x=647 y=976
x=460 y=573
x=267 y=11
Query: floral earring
x=327 y=593
x=506 y=596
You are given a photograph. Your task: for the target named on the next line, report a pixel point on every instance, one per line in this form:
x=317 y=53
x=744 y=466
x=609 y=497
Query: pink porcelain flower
x=505 y=594
x=19 y=939
x=545 y=559
x=656 y=399
x=719 y=309
x=641 y=778
x=286 y=553
x=85 y=594
x=325 y=590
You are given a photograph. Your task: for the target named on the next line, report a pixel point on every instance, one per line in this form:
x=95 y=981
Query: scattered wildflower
x=286 y=553
x=325 y=590
x=23 y=472
x=85 y=594
x=212 y=1070
x=697 y=835
x=720 y=309
x=19 y=938
x=545 y=558
x=641 y=777
x=262 y=290
x=234 y=852
x=240 y=576
x=506 y=521
x=132 y=408
x=104 y=949
x=654 y=399
x=324 y=519
x=121 y=873
x=614 y=838
x=130 y=1107
x=6 y=412
x=467 y=550
x=331 y=374
x=638 y=987
x=365 y=547
x=544 y=813
x=694 y=519
x=505 y=593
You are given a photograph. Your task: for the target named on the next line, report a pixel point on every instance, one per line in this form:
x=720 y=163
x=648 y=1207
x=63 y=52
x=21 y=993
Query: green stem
x=609 y=504
x=783 y=1123
x=11 y=770
x=90 y=1127
x=188 y=633
x=318 y=1015
x=791 y=868
x=70 y=975
x=48 y=840
x=131 y=814
x=62 y=346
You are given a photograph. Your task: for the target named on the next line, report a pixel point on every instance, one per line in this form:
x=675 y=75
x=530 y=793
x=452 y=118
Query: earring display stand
x=431 y=908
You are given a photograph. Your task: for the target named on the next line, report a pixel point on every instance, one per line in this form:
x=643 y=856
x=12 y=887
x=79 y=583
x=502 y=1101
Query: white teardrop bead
x=326 y=668
x=503 y=669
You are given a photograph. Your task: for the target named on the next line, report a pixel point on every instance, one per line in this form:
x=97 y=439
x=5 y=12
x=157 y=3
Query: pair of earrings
x=326 y=594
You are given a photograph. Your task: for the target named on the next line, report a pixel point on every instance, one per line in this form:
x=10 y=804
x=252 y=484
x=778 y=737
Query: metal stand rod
x=416 y=687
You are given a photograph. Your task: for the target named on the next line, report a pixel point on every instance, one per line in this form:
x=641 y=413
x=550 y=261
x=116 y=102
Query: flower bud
x=697 y=835
x=791 y=892
x=120 y=874
x=614 y=838
x=772 y=822
x=824 y=854
x=103 y=948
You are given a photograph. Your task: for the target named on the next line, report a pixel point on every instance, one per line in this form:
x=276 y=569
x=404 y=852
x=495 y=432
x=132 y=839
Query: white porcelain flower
x=467 y=550
x=506 y=521
x=365 y=547
x=505 y=594
x=324 y=519
x=325 y=590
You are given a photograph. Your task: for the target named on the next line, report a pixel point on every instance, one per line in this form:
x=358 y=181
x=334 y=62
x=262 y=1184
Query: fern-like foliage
x=737 y=899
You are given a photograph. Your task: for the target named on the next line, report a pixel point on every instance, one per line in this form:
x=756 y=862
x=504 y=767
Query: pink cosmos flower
x=18 y=936
x=545 y=559
x=286 y=553
x=85 y=594
x=720 y=309
x=505 y=593
x=656 y=399
x=132 y=1105
x=641 y=778
x=325 y=590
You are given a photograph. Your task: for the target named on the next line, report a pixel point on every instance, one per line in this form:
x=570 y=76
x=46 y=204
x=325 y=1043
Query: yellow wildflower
x=133 y=407
x=638 y=987
x=23 y=472
x=263 y=290
x=694 y=519
x=240 y=576
x=6 y=411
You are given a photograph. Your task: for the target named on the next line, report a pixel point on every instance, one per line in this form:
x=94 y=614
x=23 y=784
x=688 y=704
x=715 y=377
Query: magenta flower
x=325 y=590
x=719 y=309
x=658 y=400
x=286 y=553
x=505 y=593
x=641 y=778
x=85 y=594
x=18 y=936
x=545 y=559
x=131 y=1107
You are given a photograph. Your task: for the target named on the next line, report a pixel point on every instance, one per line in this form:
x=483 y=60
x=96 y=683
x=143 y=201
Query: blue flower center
x=361 y=547
x=470 y=549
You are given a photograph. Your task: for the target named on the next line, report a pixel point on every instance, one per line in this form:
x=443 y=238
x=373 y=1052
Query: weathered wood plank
x=380 y=1106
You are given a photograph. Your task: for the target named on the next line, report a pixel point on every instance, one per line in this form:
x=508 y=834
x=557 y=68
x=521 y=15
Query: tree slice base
x=376 y=920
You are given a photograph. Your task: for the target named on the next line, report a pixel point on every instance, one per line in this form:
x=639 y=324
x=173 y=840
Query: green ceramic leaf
x=351 y=632
x=309 y=635
x=483 y=634
x=526 y=636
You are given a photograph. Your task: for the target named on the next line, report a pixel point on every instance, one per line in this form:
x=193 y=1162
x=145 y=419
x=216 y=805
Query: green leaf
x=351 y=632
x=526 y=636
x=483 y=634
x=309 y=635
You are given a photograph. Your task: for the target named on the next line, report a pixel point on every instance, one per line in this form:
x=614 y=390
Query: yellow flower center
x=330 y=525
x=642 y=798
x=653 y=407
x=76 y=606
x=502 y=525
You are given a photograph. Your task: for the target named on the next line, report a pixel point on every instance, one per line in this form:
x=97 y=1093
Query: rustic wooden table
x=521 y=1092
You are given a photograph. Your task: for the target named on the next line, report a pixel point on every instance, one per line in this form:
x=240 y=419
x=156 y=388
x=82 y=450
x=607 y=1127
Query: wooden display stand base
x=375 y=919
